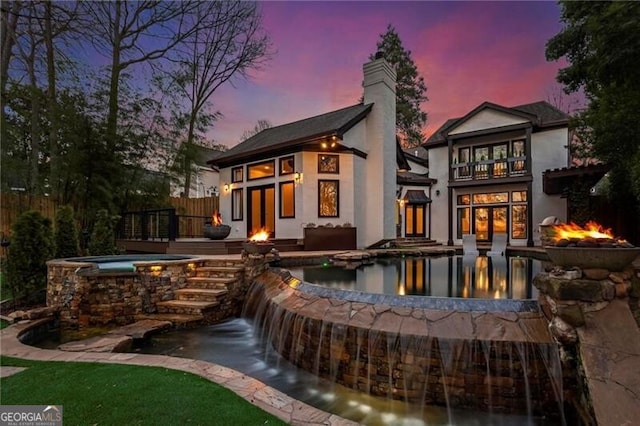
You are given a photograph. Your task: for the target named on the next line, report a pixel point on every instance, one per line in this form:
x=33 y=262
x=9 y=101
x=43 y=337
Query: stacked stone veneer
x=86 y=297
x=493 y=361
x=566 y=295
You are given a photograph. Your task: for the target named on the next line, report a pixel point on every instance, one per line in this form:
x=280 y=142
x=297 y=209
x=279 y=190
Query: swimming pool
x=481 y=277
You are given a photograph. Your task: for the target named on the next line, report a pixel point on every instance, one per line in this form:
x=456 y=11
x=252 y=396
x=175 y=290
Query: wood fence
x=12 y=205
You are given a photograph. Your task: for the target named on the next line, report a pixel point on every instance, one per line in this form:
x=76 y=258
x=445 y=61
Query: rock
x=562 y=331
x=141 y=329
x=616 y=277
x=595 y=273
x=622 y=289
x=608 y=290
x=17 y=315
x=107 y=343
x=571 y=314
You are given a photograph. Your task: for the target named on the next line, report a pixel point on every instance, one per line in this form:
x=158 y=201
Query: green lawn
x=111 y=394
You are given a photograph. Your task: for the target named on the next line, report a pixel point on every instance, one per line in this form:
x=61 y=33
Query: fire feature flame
x=261 y=235
x=216 y=219
x=571 y=230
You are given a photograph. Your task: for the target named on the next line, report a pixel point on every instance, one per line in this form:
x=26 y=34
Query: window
x=236 y=174
x=463 y=153
x=517 y=149
x=464 y=222
x=328 y=197
x=328 y=163
x=491 y=198
x=287 y=200
x=236 y=204
x=519 y=221
x=519 y=196
x=261 y=170
x=464 y=199
x=286 y=165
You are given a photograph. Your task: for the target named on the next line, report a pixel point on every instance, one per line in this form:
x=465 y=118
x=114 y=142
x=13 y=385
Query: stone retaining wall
x=494 y=361
x=86 y=297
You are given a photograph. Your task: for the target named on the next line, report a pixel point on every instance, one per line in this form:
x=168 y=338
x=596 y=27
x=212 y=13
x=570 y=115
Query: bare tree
x=228 y=43
x=134 y=32
x=261 y=125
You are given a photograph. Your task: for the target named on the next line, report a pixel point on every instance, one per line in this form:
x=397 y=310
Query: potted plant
x=216 y=230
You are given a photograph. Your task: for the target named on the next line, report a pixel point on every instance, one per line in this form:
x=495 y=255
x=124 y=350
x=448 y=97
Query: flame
x=216 y=219
x=591 y=230
x=261 y=235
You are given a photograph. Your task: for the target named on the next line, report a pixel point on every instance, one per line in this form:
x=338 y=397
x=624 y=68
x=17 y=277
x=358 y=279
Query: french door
x=261 y=207
x=414 y=216
x=488 y=221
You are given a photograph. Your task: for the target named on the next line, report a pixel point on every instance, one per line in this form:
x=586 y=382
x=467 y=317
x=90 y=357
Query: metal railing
x=490 y=169
x=161 y=224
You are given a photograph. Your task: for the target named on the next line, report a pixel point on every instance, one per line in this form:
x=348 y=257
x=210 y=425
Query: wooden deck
x=201 y=246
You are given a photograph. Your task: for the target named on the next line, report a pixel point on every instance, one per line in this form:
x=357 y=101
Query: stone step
x=177 y=320
x=219 y=271
x=189 y=307
x=418 y=242
x=199 y=294
x=141 y=328
x=211 y=283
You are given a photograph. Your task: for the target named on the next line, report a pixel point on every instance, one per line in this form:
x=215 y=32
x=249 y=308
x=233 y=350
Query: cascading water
x=513 y=382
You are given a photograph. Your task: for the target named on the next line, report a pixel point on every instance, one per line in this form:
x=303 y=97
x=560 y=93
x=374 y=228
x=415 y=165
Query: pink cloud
x=468 y=53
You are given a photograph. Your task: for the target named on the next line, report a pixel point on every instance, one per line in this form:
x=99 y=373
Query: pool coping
x=269 y=399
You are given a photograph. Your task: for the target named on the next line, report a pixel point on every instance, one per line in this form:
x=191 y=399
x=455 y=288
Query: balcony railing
x=490 y=169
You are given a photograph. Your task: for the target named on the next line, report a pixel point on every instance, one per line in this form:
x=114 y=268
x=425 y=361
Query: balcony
x=490 y=169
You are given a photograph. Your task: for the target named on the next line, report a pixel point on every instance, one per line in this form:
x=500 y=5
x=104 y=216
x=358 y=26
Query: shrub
x=31 y=247
x=66 y=234
x=103 y=239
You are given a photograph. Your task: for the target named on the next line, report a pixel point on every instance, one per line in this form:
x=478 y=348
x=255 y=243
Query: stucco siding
x=439 y=170
x=487 y=119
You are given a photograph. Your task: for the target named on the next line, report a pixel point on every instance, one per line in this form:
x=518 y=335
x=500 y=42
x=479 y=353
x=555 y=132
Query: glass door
x=481 y=223
x=414 y=214
x=488 y=221
x=261 y=206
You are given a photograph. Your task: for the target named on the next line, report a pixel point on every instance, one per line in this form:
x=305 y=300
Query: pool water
x=480 y=277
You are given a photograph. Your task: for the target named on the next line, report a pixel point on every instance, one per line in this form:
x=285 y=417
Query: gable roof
x=295 y=134
x=541 y=114
x=204 y=154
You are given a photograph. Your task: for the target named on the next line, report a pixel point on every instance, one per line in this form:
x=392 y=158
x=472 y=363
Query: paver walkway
x=257 y=393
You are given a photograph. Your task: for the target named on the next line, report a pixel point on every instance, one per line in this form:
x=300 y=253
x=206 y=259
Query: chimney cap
x=379 y=55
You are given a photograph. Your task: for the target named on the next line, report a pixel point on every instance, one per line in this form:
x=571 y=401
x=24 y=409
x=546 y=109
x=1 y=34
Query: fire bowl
x=219 y=232
x=612 y=259
x=257 y=247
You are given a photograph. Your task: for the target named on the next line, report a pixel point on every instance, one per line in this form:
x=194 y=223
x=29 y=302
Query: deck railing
x=490 y=169
x=161 y=225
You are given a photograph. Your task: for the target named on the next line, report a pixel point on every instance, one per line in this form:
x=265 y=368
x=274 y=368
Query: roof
x=297 y=133
x=416 y=196
x=401 y=158
x=410 y=178
x=543 y=114
x=418 y=155
x=204 y=154
x=556 y=181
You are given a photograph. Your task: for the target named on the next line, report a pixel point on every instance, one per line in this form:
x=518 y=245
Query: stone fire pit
x=613 y=259
x=257 y=247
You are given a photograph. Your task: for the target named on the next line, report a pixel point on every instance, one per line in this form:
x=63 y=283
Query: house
x=344 y=167
x=489 y=168
x=205 y=180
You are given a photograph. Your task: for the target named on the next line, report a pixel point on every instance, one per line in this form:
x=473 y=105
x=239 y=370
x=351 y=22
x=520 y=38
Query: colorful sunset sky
x=467 y=52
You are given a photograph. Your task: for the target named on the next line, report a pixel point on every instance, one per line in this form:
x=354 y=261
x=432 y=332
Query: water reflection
x=493 y=277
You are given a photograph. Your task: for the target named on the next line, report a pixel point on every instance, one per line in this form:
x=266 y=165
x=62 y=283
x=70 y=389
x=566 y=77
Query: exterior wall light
x=226 y=187
x=297 y=177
